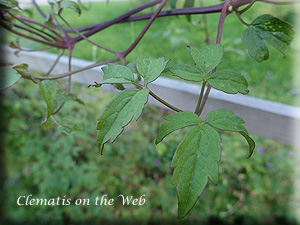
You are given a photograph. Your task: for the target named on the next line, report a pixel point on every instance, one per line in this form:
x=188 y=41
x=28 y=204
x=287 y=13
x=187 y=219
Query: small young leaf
x=49 y=89
x=187 y=72
x=116 y=74
x=223 y=120
x=71 y=5
x=176 y=121
x=118 y=113
x=196 y=159
x=229 y=81
x=276 y=32
x=207 y=58
x=8 y=77
x=151 y=70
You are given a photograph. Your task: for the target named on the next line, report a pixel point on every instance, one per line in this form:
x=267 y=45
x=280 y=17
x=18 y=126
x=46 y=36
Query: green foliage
x=223 y=120
x=71 y=5
x=48 y=164
x=196 y=159
x=8 y=4
x=207 y=58
x=276 y=32
x=151 y=70
x=118 y=113
x=187 y=72
x=116 y=74
x=177 y=121
x=229 y=81
x=8 y=77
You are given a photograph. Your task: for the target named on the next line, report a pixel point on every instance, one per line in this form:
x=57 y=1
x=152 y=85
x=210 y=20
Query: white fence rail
x=265 y=118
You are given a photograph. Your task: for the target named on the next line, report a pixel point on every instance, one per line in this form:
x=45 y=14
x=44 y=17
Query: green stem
x=247 y=7
x=239 y=14
x=158 y=98
x=200 y=98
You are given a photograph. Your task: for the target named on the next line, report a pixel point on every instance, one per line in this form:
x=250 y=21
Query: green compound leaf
x=223 y=119
x=176 y=121
x=118 y=113
x=187 y=72
x=71 y=5
x=116 y=74
x=276 y=32
x=196 y=159
x=8 y=77
x=229 y=81
x=49 y=89
x=207 y=58
x=151 y=70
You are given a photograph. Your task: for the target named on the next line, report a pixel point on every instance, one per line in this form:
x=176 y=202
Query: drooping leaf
x=8 y=77
x=256 y=47
x=208 y=57
x=196 y=159
x=276 y=32
x=70 y=5
x=187 y=72
x=151 y=70
x=176 y=121
x=118 y=113
x=116 y=74
x=223 y=119
x=229 y=81
x=49 y=89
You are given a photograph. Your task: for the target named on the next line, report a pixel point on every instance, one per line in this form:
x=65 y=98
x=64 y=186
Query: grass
x=169 y=36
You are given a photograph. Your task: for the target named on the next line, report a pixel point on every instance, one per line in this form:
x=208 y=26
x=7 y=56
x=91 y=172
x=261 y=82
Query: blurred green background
x=48 y=164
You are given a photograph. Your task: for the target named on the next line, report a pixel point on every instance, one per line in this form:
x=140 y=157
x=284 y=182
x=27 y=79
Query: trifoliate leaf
x=276 y=32
x=196 y=159
x=151 y=70
x=8 y=77
x=207 y=58
x=187 y=72
x=176 y=121
x=116 y=74
x=229 y=81
x=223 y=119
x=49 y=89
x=118 y=113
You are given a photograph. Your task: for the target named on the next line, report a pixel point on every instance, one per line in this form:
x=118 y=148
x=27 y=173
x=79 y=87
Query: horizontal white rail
x=265 y=118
